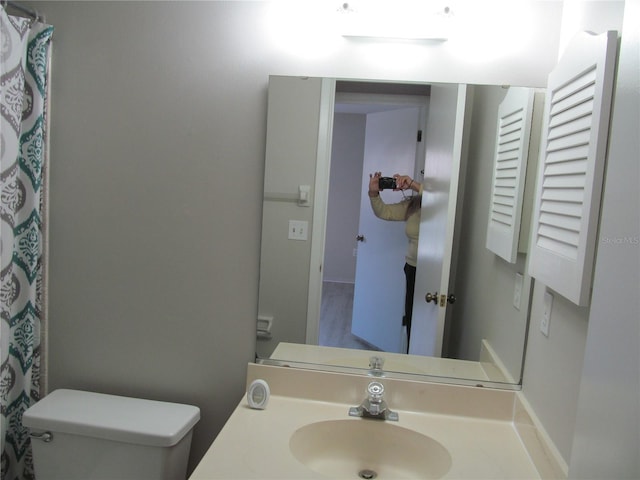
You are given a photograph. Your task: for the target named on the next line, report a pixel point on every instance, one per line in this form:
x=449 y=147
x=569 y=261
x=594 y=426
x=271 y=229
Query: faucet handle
x=375 y=391
x=376 y=362
x=374 y=405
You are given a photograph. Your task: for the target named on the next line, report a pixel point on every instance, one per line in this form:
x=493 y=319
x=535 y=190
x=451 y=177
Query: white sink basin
x=367 y=448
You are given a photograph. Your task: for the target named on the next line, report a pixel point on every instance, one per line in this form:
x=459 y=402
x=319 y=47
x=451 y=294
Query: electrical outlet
x=546 y=314
x=304 y=195
x=517 y=291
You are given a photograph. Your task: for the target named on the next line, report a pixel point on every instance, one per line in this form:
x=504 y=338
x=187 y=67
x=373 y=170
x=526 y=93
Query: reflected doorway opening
x=356 y=103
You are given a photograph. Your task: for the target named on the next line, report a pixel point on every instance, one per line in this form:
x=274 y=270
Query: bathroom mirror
x=315 y=200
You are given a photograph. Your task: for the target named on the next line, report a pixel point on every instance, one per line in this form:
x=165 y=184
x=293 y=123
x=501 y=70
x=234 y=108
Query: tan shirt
x=397 y=212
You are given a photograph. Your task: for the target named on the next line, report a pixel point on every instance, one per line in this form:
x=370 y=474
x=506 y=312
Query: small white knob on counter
x=258 y=394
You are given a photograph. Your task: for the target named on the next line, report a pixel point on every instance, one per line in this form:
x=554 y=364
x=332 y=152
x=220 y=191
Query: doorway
x=363 y=291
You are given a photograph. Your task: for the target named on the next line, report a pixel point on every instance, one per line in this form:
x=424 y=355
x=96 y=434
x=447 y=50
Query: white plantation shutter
x=509 y=172
x=570 y=174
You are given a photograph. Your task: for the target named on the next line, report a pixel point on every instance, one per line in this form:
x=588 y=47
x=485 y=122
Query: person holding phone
x=408 y=211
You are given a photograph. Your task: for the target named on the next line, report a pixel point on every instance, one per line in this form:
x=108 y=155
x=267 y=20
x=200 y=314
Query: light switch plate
x=546 y=314
x=298 y=229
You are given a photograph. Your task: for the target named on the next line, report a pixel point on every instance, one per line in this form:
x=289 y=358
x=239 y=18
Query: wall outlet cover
x=517 y=291
x=546 y=315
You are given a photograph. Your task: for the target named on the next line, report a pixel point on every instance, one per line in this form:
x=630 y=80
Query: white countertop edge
x=543 y=452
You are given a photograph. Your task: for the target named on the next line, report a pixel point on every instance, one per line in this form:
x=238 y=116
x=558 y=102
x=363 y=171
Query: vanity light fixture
x=405 y=20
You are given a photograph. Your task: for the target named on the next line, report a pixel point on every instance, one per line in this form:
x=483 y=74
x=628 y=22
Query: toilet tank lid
x=112 y=417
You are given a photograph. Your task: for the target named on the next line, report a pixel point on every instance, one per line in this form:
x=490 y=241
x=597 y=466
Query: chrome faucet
x=374 y=406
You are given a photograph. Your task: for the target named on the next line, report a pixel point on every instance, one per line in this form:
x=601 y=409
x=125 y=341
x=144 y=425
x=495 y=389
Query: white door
x=378 y=305
x=444 y=134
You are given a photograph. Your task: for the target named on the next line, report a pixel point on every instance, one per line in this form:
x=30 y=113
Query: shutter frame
x=513 y=133
x=571 y=166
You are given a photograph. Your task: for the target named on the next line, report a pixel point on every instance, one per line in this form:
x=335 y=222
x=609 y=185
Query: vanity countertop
x=486 y=432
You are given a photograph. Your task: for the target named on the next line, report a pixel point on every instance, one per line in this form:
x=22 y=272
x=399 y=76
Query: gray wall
x=157 y=159
x=290 y=160
x=484 y=284
x=607 y=434
x=157 y=151
x=553 y=367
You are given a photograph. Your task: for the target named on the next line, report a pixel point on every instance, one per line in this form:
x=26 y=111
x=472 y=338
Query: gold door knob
x=431 y=297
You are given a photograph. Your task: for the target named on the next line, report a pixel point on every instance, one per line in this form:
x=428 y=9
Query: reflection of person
x=408 y=211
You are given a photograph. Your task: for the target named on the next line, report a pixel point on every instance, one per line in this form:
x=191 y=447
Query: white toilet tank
x=85 y=435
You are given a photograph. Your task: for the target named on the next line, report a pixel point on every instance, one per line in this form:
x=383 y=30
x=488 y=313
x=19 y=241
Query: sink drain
x=367 y=474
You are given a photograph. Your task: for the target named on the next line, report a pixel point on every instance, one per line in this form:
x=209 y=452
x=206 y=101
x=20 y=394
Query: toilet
x=86 y=435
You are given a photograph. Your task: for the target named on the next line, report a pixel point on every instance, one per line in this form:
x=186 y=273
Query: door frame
x=321 y=188
x=320 y=201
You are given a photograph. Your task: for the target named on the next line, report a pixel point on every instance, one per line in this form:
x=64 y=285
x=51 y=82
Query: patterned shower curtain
x=24 y=65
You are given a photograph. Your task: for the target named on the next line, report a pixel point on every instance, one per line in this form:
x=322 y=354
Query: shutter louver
x=506 y=173
x=565 y=170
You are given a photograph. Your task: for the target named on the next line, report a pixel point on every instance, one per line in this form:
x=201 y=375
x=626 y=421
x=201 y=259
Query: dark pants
x=410 y=275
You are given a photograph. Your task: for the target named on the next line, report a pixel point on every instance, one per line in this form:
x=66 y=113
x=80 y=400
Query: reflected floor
x=335 y=317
